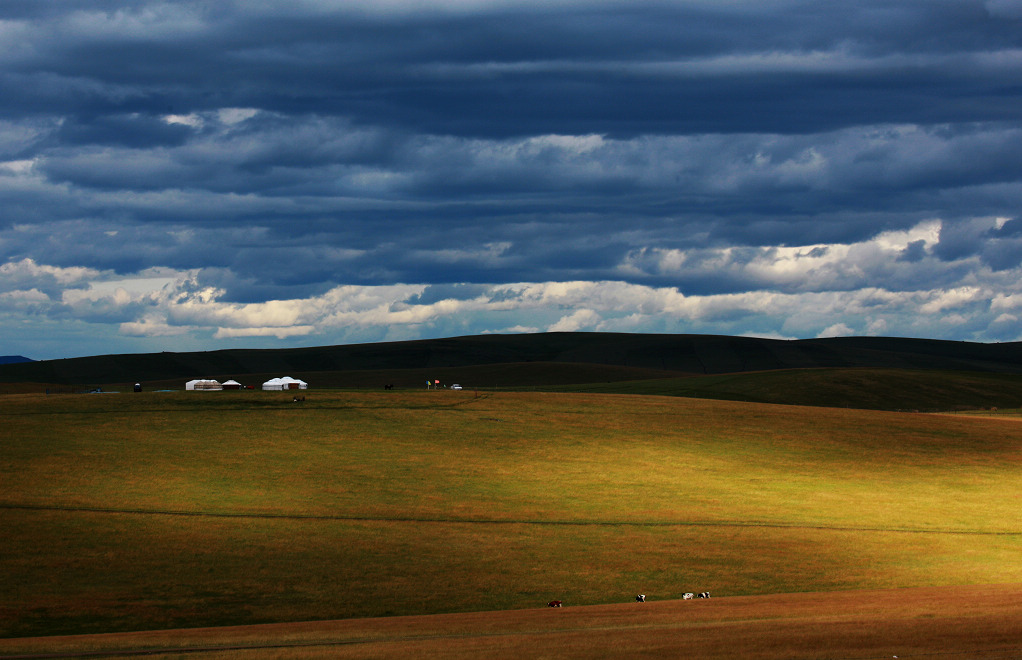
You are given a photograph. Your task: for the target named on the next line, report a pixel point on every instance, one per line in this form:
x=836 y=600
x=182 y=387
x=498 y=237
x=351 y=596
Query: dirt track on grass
x=949 y=622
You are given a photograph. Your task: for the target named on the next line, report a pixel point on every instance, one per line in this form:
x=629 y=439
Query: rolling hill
x=678 y=365
x=184 y=510
x=690 y=354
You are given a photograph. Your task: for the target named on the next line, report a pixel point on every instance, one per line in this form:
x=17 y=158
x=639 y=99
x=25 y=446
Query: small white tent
x=232 y=385
x=285 y=383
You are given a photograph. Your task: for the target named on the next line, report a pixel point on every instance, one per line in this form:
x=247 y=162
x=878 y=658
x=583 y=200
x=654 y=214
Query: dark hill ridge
x=680 y=354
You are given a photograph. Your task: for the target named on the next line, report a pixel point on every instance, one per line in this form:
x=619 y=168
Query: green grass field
x=144 y=511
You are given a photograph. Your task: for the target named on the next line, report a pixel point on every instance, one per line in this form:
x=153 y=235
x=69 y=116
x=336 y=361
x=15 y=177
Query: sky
x=201 y=175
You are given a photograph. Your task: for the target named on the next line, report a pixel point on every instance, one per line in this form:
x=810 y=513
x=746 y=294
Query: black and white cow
x=705 y=594
x=688 y=596
x=641 y=598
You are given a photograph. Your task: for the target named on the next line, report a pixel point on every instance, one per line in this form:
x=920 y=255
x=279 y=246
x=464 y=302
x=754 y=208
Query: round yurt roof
x=284 y=383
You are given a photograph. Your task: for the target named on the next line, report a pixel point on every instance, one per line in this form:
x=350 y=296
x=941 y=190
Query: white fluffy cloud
x=177 y=307
x=814 y=267
x=12 y=273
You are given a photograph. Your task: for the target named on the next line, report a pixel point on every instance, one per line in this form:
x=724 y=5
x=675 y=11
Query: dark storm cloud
x=1012 y=227
x=275 y=152
x=914 y=251
x=507 y=70
x=123 y=131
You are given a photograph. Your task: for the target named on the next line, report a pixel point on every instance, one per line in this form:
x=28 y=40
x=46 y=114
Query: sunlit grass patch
x=364 y=504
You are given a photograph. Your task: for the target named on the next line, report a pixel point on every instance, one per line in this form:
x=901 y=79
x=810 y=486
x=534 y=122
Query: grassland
x=872 y=388
x=854 y=372
x=982 y=623
x=149 y=511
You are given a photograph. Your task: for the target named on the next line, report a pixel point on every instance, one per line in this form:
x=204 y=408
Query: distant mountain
x=671 y=355
x=13 y=359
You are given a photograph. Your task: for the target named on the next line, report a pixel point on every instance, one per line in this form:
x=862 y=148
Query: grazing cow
x=641 y=598
x=554 y=603
x=705 y=594
x=688 y=596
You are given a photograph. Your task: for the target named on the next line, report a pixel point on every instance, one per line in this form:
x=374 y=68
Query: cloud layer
x=197 y=175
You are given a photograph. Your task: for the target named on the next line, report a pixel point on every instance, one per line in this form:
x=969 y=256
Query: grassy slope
x=862 y=624
x=878 y=389
x=862 y=372
x=488 y=376
x=369 y=504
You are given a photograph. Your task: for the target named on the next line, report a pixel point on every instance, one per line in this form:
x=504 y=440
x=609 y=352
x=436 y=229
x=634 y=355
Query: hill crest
x=672 y=354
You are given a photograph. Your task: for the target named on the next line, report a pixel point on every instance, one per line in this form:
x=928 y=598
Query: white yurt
x=232 y=385
x=285 y=383
x=206 y=384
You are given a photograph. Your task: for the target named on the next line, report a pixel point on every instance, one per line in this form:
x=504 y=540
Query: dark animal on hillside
x=641 y=598
x=554 y=603
x=388 y=387
x=705 y=594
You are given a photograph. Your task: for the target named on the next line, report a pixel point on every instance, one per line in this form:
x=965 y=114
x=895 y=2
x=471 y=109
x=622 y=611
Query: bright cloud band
x=795 y=296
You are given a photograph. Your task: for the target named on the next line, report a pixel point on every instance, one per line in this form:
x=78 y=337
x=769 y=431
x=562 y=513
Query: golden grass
x=372 y=504
x=978 y=622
